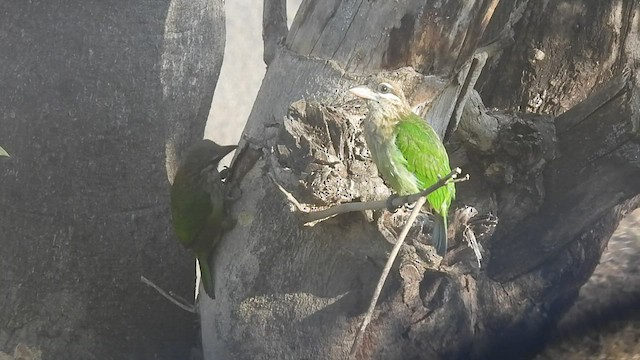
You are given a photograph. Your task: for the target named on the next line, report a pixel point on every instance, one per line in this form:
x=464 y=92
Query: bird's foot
x=224 y=173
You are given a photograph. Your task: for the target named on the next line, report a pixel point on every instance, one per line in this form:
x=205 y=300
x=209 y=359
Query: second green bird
x=197 y=204
x=407 y=151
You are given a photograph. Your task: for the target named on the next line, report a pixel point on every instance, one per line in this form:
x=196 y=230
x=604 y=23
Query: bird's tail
x=206 y=276
x=439 y=236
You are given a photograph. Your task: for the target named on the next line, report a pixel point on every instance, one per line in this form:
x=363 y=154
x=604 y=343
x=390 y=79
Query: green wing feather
x=426 y=158
x=192 y=212
x=190 y=207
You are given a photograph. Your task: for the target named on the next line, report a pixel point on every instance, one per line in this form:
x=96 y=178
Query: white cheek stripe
x=390 y=97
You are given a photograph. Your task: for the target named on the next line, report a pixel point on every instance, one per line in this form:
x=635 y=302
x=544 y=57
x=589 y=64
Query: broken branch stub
x=322 y=149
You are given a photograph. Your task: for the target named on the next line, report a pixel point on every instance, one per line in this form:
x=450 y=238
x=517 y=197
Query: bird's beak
x=224 y=151
x=227 y=149
x=363 y=92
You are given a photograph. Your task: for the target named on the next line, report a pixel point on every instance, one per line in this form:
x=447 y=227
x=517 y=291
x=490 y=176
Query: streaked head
x=384 y=98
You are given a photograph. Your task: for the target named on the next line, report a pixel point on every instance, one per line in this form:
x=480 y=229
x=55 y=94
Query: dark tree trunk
x=558 y=174
x=99 y=99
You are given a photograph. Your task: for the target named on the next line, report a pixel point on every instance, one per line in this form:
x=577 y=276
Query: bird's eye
x=384 y=89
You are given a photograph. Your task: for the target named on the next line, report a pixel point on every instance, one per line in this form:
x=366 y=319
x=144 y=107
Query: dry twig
x=385 y=273
x=179 y=302
x=393 y=202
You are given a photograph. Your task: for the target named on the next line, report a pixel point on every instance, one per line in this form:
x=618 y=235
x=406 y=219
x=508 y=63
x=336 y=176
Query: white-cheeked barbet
x=198 y=204
x=407 y=151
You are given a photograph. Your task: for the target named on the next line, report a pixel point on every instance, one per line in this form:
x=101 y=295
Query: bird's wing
x=426 y=157
x=190 y=209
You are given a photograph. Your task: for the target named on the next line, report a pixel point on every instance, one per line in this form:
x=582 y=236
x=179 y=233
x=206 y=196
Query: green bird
x=407 y=151
x=197 y=204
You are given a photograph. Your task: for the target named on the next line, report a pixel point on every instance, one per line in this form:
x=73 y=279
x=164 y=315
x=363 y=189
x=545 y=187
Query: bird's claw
x=225 y=172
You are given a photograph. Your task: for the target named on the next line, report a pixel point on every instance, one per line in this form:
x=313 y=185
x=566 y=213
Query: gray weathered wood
x=287 y=291
x=274 y=27
x=99 y=98
x=593 y=172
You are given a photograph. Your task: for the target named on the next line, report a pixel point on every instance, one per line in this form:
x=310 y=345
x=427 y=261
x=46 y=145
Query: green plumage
x=426 y=158
x=407 y=151
x=197 y=204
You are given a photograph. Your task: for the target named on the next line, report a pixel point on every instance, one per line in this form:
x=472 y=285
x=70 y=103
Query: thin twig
x=289 y=196
x=385 y=273
x=179 y=298
x=186 y=307
x=396 y=202
x=314 y=217
x=310 y=218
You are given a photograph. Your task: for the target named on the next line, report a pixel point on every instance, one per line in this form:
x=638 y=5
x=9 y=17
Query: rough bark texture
x=99 y=99
x=557 y=185
x=604 y=322
x=274 y=27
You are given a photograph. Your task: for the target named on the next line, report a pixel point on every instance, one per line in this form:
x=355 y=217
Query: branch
x=506 y=36
x=310 y=218
x=393 y=202
x=245 y=159
x=274 y=27
x=385 y=273
x=181 y=303
x=475 y=32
